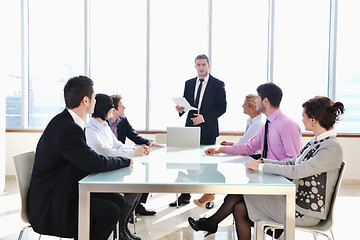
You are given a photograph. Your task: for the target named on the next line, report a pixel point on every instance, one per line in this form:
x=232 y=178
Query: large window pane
x=56 y=52
x=239 y=54
x=348 y=65
x=118 y=53
x=10 y=60
x=301 y=47
x=178 y=33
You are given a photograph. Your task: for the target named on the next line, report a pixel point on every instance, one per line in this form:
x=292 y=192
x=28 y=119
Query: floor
x=171 y=223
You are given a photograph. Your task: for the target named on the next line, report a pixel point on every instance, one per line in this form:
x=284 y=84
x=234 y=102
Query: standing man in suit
x=62 y=159
x=122 y=129
x=207 y=94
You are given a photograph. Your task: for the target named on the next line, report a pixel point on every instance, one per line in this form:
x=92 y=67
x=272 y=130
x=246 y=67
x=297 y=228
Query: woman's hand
x=227 y=143
x=141 y=150
x=253 y=165
x=212 y=151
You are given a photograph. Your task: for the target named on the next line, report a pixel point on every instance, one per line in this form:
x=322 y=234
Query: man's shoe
x=140 y=210
x=183 y=199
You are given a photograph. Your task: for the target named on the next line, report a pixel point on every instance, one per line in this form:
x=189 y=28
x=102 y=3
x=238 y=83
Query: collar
x=78 y=120
x=274 y=115
x=205 y=79
x=97 y=124
x=258 y=117
x=330 y=133
x=111 y=122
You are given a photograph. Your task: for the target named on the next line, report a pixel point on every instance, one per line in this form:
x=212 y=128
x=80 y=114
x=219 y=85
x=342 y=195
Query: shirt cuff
x=261 y=167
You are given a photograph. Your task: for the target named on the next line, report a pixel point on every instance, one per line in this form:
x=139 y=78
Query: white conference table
x=186 y=170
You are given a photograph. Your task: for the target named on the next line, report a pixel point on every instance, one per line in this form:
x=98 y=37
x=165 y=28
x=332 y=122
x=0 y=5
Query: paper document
x=182 y=102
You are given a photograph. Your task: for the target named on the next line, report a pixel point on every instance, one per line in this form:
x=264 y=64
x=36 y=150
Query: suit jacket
x=212 y=107
x=62 y=159
x=124 y=129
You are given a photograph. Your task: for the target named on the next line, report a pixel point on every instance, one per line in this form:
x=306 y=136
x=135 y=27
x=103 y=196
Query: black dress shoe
x=209 y=205
x=202 y=225
x=140 y=210
x=183 y=199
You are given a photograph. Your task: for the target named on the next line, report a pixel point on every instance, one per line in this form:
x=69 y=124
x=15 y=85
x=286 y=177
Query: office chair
x=320 y=229
x=23 y=168
x=24 y=163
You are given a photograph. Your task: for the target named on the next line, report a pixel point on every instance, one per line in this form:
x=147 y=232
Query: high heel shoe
x=204 y=200
x=203 y=225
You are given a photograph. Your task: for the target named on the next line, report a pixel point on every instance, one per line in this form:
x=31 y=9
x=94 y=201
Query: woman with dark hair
x=314 y=171
x=101 y=139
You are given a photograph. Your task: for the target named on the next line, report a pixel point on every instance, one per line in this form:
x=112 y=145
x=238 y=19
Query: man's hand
x=212 y=151
x=227 y=143
x=179 y=109
x=131 y=160
x=198 y=119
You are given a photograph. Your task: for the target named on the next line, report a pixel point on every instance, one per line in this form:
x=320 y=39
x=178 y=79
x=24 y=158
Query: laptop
x=183 y=136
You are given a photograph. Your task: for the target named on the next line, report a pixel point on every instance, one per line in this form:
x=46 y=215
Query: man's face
x=120 y=111
x=202 y=67
x=91 y=104
x=259 y=104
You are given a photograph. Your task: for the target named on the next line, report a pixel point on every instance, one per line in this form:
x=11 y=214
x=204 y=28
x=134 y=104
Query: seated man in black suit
x=62 y=159
x=122 y=129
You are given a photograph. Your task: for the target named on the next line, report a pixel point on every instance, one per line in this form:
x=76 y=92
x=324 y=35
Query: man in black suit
x=62 y=159
x=122 y=129
x=207 y=94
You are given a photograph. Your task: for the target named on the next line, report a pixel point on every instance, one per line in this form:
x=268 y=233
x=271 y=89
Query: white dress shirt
x=103 y=141
x=203 y=87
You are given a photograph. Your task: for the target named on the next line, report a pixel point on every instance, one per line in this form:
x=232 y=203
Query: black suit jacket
x=212 y=107
x=62 y=159
x=125 y=130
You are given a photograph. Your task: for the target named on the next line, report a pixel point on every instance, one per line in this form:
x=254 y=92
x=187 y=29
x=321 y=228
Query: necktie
x=198 y=93
x=265 y=149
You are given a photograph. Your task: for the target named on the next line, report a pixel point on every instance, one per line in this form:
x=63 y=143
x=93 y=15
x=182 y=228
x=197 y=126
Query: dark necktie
x=198 y=93
x=265 y=149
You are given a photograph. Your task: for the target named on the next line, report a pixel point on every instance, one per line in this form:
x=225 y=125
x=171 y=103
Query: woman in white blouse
x=102 y=140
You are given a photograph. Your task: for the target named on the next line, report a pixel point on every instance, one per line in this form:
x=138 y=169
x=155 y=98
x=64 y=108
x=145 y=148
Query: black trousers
x=105 y=209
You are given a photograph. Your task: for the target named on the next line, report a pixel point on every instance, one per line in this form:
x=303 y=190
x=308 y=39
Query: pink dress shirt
x=284 y=139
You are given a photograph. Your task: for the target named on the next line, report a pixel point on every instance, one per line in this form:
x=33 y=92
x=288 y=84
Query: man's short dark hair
x=270 y=91
x=202 y=56
x=102 y=106
x=116 y=98
x=76 y=89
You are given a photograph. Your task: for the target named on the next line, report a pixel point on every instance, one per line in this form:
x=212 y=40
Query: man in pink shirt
x=283 y=134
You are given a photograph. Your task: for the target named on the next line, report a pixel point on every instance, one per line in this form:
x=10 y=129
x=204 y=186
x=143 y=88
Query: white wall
x=22 y=142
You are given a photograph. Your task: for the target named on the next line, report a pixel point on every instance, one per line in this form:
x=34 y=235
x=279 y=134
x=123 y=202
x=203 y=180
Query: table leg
x=84 y=214
x=290 y=217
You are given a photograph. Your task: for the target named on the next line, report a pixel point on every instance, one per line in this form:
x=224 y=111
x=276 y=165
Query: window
x=348 y=65
x=118 y=53
x=11 y=61
x=178 y=33
x=301 y=48
x=145 y=51
x=56 y=52
x=243 y=66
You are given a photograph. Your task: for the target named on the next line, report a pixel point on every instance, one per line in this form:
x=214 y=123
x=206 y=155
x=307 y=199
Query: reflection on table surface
x=186 y=166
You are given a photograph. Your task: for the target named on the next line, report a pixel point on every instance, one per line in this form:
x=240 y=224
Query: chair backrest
x=24 y=163
x=325 y=225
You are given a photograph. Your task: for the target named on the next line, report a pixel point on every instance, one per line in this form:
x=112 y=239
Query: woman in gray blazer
x=314 y=171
